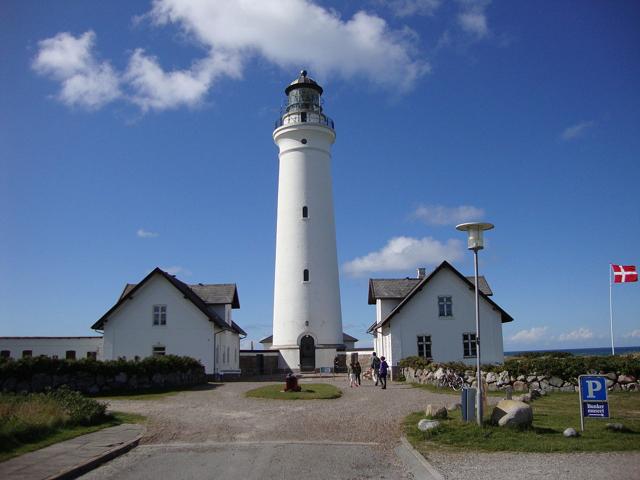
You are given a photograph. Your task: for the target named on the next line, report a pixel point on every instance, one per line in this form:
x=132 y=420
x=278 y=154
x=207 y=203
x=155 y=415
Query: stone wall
x=522 y=383
x=96 y=383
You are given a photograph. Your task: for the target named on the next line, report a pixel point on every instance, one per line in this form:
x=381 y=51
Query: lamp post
x=475 y=242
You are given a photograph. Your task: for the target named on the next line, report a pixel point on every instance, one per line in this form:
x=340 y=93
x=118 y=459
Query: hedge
x=24 y=368
x=566 y=367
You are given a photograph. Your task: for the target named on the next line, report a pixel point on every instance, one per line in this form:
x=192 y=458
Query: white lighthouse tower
x=307 y=318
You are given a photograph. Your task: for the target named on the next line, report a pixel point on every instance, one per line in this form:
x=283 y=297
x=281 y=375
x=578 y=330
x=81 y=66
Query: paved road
x=253 y=461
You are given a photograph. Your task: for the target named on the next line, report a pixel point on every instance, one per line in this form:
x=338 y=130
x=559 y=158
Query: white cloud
x=83 y=80
x=177 y=270
x=142 y=233
x=441 y=215
x=577 y=130
x=531 y=335
x=296 y=33
x=153 y=88
x=472 y=17
x=633 y=334
x=576 y=335
x=403 y=253
x=406 y=8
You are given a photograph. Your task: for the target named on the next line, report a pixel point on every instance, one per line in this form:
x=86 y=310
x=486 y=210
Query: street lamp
x=475 y=242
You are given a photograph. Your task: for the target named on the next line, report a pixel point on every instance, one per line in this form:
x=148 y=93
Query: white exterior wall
x=420 y=316
x=129 y=332
x=52 y=346
x=305 y=180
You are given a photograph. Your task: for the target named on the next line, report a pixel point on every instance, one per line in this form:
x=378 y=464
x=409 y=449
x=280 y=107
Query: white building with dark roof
x=162 y=315
x=433 y=316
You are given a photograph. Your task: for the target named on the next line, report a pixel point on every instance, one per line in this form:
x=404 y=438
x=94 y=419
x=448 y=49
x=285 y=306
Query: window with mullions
x=159 y=351
x=424 y=346
x=445 y=306
x=159 y=314
x=469 y=344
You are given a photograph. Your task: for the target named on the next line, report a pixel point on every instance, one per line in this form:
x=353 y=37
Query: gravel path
x=365 y=414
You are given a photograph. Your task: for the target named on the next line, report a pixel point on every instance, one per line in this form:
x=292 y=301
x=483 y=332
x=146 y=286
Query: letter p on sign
x=593 y=386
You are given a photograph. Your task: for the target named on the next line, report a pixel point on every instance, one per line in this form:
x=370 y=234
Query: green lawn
x=450 y=391
x=65 y=433
x=551 y=415
x=310 y=391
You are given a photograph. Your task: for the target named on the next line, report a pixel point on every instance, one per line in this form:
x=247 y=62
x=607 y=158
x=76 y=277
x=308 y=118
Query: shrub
x=80 y=409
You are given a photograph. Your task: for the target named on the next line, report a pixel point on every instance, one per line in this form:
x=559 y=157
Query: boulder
x=426 y=425
x=521 y=378
x=568 y=388
x=491 y=377
x=610 y=383
x=511 y=413
x=503 y=378
x=556 y=382
x=611 y=376
x=434 y=411
x=632 y=387
x=452 y=407
x=532 y=378
x=439 y=373
x=541 y=377
x=519 y=386
x=534 y=394
x=626 y=379
x=616 y=387
x=570 y=432
x=535 y=385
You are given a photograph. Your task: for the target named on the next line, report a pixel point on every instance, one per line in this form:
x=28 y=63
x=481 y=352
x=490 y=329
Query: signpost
x=593 y=397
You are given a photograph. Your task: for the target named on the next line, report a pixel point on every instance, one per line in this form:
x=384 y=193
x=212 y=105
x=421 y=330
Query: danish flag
x=624 y=273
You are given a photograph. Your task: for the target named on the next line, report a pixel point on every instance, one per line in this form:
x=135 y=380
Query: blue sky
x=135 y=135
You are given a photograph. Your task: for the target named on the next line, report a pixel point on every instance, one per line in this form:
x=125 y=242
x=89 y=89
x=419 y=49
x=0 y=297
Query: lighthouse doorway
x=307 y=354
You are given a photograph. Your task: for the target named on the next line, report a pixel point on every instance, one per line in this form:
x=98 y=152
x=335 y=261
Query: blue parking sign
x=593 y=397
x=593 y=388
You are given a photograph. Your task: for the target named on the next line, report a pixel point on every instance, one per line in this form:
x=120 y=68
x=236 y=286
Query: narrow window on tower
x=305 y=212
x=305 y=275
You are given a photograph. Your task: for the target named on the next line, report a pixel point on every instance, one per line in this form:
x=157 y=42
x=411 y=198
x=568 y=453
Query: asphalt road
x=249 y=461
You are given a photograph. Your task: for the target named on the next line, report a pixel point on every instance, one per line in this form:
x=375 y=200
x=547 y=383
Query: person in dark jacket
x=384 y=367
x=375 y=367
x=357 y=369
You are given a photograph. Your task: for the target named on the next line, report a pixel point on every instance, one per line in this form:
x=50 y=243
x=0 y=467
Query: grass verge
x=551 y=415
x=450 y=391
x=310 y=391
x=65 y=433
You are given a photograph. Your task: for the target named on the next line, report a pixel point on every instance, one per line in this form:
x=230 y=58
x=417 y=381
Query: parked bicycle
x=451 y=380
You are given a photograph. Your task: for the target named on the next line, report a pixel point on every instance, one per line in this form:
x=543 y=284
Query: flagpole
x=613 y=350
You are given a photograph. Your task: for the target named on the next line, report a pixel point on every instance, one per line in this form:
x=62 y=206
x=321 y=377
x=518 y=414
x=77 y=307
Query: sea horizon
x=595 y=351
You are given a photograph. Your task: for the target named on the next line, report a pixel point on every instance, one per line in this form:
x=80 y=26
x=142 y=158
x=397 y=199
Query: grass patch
x=449 y=391
x=551 y=415
x=310 y=391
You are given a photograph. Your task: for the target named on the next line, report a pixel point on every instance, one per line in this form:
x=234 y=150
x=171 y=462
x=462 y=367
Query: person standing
x=357 y=370
x=384 y=367
x=375 y=367
x=351 y=370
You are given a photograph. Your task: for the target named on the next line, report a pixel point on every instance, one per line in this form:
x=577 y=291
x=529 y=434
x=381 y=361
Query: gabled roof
x=210 y=293
x=345 y=338
x=397 y=288
x=130 y=290
x=422 y=282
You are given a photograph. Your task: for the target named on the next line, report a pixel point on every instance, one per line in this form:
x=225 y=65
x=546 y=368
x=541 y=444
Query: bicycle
x=451 y=380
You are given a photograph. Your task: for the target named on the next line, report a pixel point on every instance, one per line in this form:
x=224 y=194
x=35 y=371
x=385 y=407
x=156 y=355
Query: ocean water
x=581 y=351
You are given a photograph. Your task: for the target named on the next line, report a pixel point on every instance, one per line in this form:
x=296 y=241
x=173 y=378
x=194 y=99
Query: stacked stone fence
x=95 y=377
x=522 y=383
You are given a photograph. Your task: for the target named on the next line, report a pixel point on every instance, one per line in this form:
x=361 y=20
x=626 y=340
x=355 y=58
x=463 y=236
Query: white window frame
x=421 y=341
x=445 y=301
x=159 y=315
x=158 y=351
x=469 y=345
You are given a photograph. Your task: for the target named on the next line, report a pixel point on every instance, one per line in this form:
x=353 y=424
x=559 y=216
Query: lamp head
x=475 y=238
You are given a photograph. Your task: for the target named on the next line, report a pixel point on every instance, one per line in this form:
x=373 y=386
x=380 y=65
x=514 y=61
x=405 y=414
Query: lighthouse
x=307 y=318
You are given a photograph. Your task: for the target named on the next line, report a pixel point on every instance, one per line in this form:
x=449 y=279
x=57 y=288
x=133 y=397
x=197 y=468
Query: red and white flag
x=624 y=273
